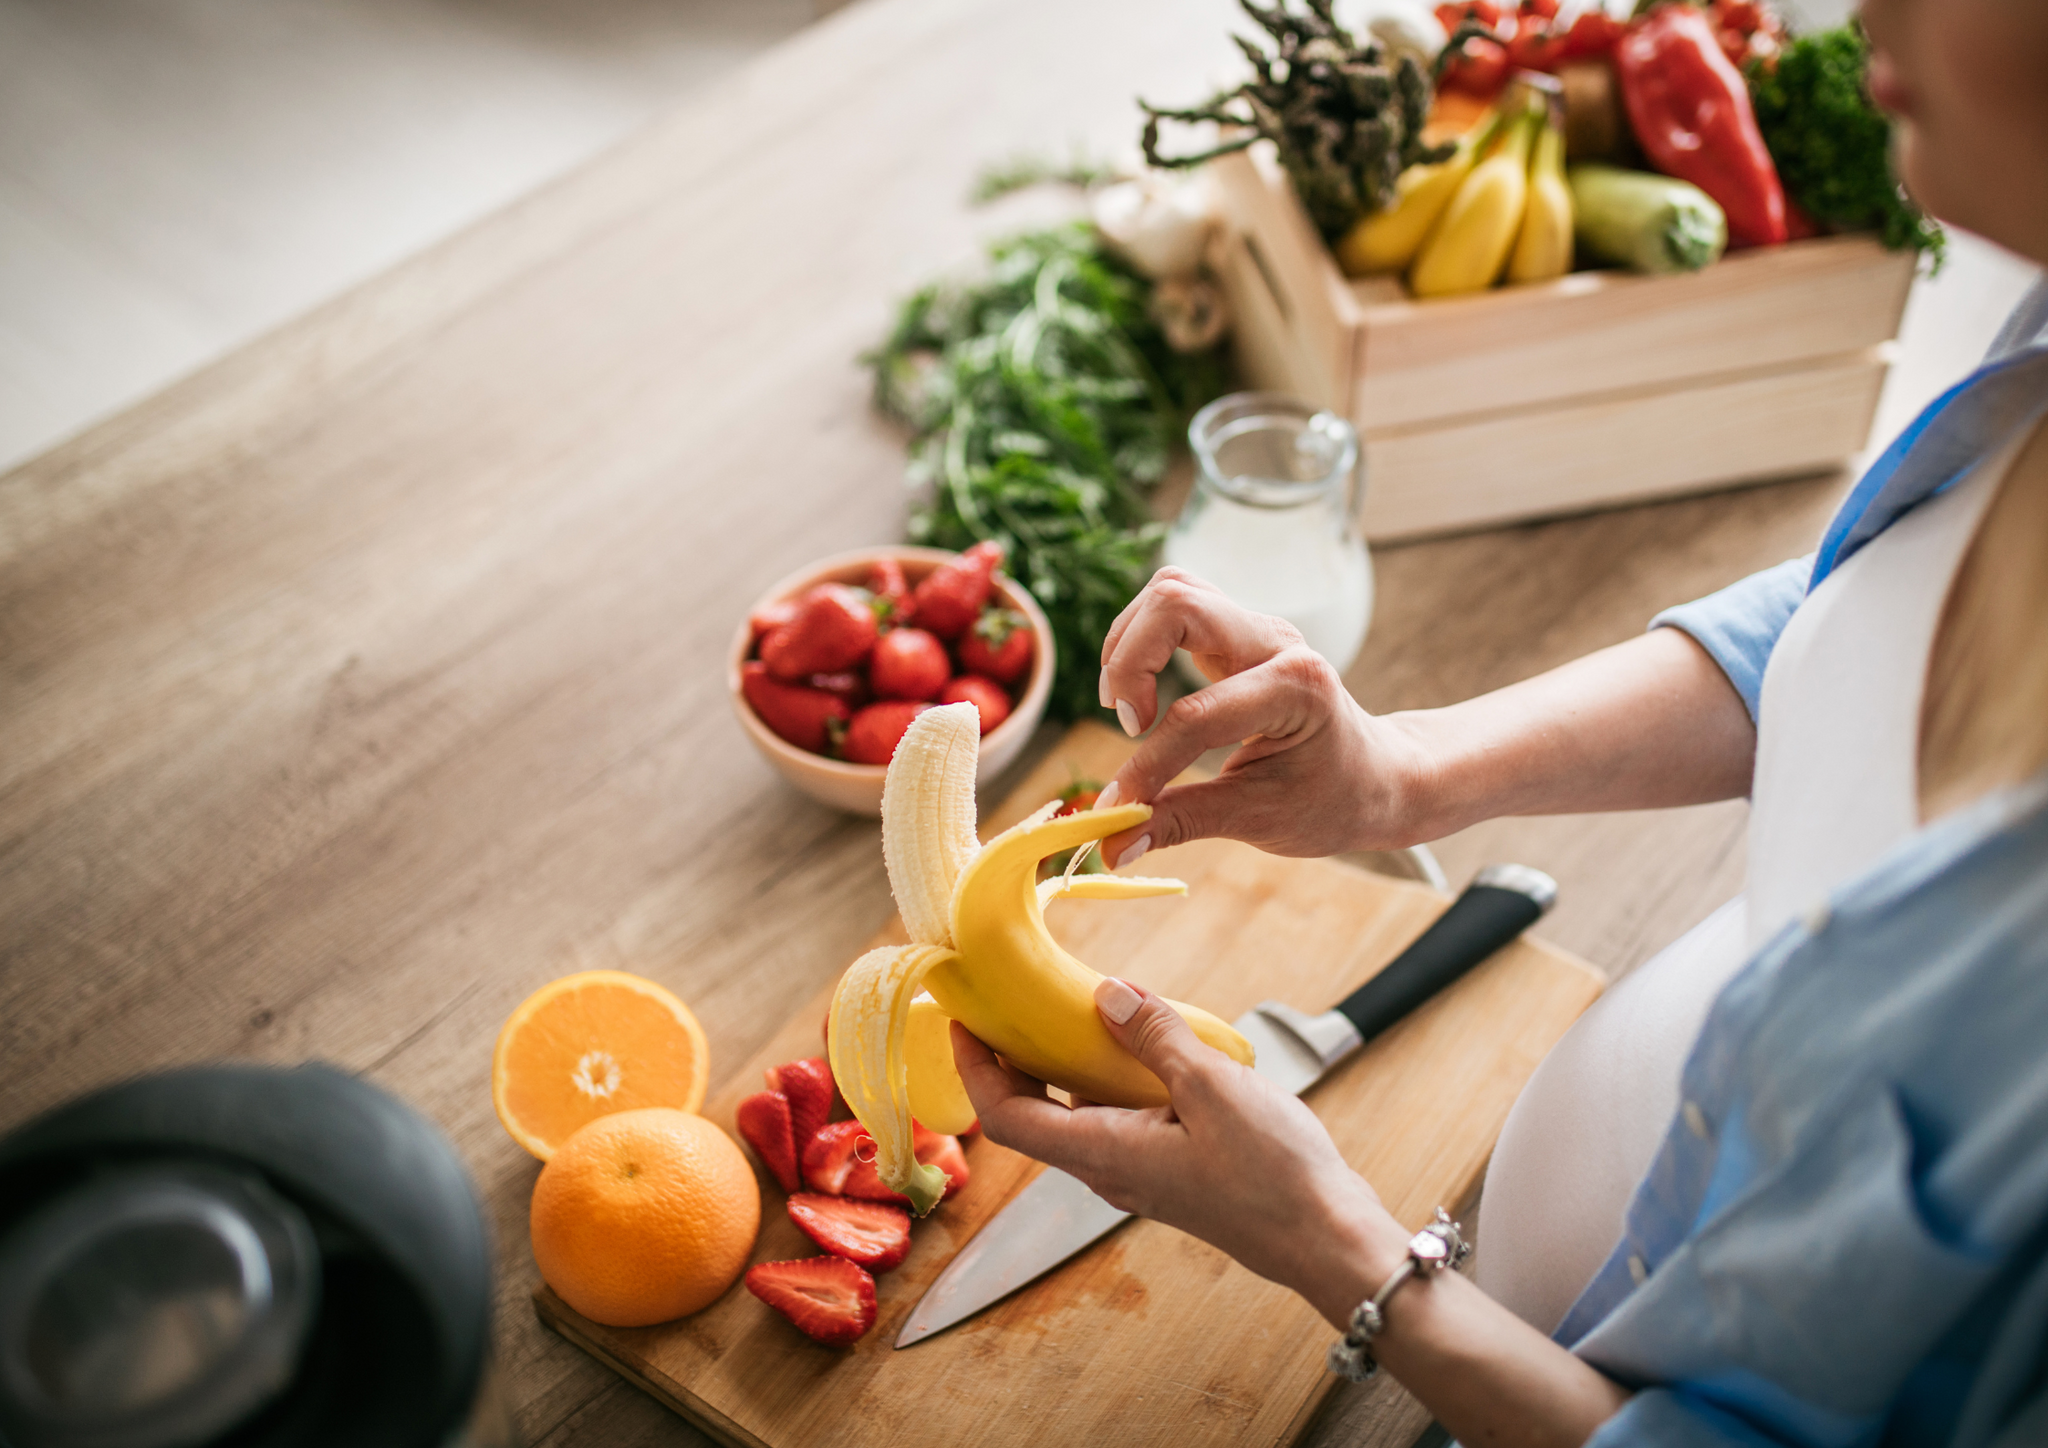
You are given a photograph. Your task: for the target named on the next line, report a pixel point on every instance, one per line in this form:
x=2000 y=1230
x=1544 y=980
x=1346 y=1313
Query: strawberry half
x=830 y=1159
x=829 y=1299
x=943 y=1152
x=764 y=1120
x=871 y=1234
x=811 y=1091
x=865 y=1183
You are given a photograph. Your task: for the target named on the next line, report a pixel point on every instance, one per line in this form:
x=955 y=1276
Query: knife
x=1055 y=1216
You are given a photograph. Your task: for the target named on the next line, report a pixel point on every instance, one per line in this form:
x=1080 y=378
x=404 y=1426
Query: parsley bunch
x=1831 y=145
x=1044 y=404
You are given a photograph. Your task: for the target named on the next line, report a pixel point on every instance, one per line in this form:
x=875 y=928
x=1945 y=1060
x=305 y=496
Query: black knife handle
x=1501 y=902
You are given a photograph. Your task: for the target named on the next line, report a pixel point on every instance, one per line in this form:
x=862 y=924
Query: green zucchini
x=1644 y=221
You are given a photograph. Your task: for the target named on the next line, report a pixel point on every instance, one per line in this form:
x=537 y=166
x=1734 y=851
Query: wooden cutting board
x=1149 y=1337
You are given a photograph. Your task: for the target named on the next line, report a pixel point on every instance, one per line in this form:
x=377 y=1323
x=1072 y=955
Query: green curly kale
x=1831 y=145
x=1044 y=403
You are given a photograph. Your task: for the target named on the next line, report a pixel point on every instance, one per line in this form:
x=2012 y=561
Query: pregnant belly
x=1586 y=1126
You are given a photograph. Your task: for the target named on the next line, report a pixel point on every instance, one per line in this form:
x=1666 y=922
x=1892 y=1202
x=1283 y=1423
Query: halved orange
x=591 y=1044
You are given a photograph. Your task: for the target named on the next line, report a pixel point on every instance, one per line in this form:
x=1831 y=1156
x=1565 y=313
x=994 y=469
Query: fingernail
x=1108 y=798
x=1117 y=1000
x=1127 y=716
x=1102 y=688
x=1135 y=852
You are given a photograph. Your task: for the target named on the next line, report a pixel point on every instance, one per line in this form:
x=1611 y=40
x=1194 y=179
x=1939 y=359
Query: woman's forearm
x=1486 y=1375
x=1643 y=725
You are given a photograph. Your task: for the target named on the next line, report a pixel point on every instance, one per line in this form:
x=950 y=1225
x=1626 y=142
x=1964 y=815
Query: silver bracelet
x=1431 y=1250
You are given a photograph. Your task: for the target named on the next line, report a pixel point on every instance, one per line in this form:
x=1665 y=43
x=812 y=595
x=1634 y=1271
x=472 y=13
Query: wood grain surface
x=357 y=686
x=1149 y=1337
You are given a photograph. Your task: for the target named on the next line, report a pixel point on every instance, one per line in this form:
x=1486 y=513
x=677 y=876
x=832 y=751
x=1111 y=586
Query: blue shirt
x=1843 y=1238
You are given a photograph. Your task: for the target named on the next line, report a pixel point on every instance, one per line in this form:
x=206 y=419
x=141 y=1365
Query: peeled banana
x=984 y=957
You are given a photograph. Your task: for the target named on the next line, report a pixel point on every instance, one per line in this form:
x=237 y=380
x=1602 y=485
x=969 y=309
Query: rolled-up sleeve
x=1739 y=626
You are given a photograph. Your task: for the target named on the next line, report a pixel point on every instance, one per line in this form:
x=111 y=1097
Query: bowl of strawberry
x=833 y=663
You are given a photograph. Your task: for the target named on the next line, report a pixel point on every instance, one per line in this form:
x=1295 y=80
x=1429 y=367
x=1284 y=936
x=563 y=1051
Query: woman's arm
x=1248 y=1169
x=1645 y=724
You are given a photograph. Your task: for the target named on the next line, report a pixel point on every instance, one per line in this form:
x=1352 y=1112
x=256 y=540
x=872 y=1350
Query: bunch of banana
x=981 y=955
x=1458 y=225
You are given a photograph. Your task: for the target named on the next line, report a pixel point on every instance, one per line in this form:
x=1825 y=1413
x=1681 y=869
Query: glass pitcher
x=1270 y=519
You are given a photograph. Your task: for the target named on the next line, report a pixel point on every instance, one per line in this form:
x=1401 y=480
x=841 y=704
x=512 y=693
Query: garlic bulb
x=1160 y=224
x=1403 y=27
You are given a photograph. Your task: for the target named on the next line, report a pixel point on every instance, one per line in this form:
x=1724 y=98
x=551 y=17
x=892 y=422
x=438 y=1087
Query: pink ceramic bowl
x=858 y=787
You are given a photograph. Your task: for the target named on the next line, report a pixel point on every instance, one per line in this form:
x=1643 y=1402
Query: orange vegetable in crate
x=591 y=1044
x=643 y=1216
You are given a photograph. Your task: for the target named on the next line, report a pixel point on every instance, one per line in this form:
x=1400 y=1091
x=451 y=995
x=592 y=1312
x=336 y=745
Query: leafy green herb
x=1044 y=403
x=1831 y=145
x=1346 y=118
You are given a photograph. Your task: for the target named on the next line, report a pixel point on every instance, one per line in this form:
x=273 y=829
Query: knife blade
x=1056 y=1215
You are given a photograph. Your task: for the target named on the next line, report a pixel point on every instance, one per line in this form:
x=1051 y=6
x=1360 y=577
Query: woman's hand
x=1644 y=725
x=1247 y=1168
x=1313 y=773
x=1234 y=1160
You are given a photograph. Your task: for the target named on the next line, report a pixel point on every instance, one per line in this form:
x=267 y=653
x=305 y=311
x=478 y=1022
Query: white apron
x=1835 y=789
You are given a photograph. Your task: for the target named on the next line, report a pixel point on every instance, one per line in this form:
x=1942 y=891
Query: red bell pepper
x=1691 y=114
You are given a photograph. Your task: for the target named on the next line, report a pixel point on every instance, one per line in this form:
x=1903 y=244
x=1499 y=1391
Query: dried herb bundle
x=1347 y=118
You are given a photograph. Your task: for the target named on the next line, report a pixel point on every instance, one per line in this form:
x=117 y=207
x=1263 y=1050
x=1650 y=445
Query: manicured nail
x=1135 y=852
x=1102 y=688
x=1108 y=798
x=1117 y=1000
x=1128 y=717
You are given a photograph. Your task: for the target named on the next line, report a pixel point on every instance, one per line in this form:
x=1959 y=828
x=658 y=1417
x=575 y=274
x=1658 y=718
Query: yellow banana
x=1471 y=243
x=997 y=970
x=1543 y=251
x=1388 y=239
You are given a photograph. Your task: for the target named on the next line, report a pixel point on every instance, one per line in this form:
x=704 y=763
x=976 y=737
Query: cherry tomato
x=1480 y=69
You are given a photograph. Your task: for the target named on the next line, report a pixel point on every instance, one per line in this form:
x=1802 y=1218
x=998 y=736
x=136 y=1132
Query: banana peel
x=987 y=960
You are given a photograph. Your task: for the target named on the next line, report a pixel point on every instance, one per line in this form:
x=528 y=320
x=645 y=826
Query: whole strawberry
x=908 y=663
x=998 y=645
x=834 y=628
x=985 y=695
x=808 y=718
x=952 y=595
x=873 y=734
x=892 y=592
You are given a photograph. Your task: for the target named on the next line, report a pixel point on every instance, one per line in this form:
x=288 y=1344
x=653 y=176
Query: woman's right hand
x=1313 y=773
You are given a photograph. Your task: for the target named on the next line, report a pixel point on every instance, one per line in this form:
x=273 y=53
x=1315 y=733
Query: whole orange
x=644 y=1215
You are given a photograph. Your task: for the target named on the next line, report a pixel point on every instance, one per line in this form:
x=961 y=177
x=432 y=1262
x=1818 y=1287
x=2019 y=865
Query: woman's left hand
x=1233 y=1160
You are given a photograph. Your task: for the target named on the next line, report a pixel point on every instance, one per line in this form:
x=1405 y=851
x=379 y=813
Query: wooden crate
x=1596 y=389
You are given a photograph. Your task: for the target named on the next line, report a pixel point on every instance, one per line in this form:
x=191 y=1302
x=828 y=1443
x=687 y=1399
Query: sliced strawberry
x=828 y=1298
x=930 y=1148
x=871 y=1234
x=810 y=1088
x=830 y=1159
x=943 y=1152
x=764 y=1120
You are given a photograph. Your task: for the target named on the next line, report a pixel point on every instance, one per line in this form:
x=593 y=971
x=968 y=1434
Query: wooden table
x=359 y=684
